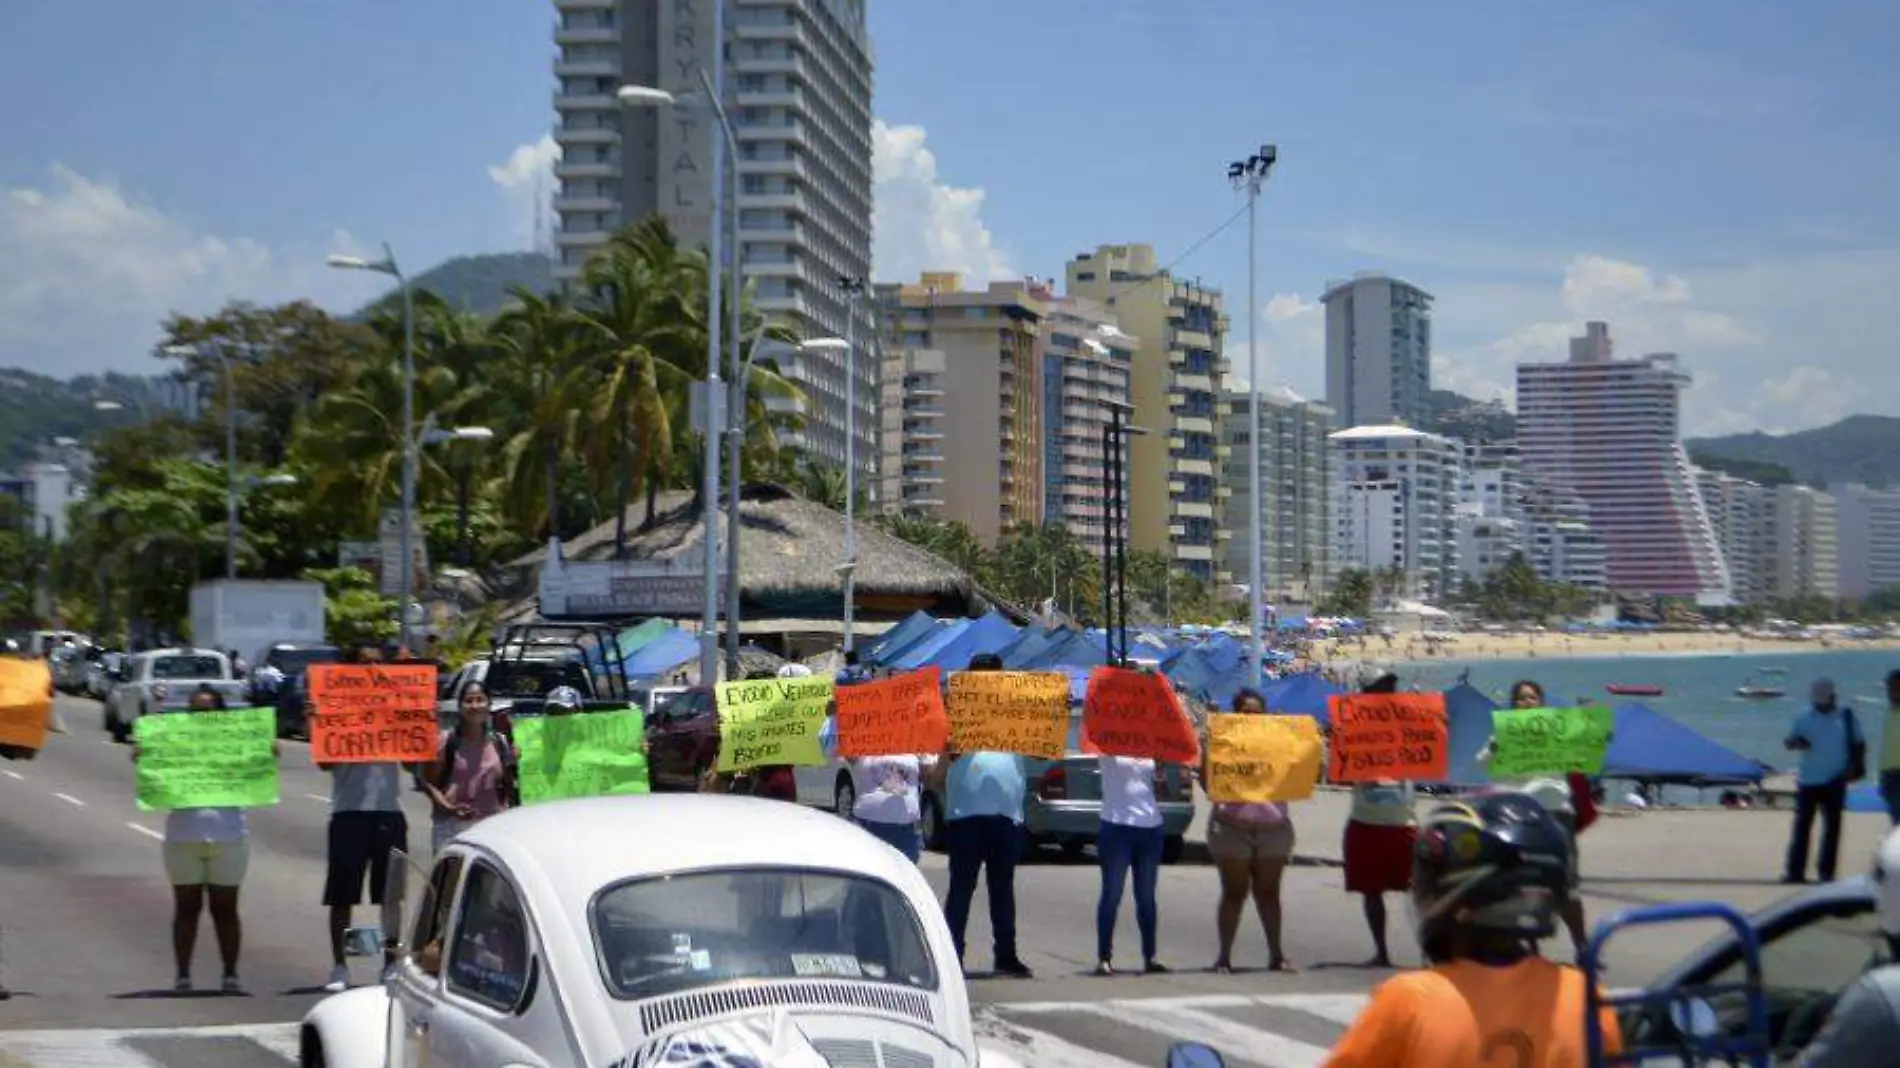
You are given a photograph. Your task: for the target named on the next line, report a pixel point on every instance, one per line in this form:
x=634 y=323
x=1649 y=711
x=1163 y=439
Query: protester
x=1864 y=1026
x=774 y=782
x=1251 y=844
x=22 y=753
x=1833 y=753
x=1890 y=750
x=983 y=835
x=472 y=776
x=1380 y=831
x=889 y=800
x=207 y=851
x=366 y=825
x=1571 y=804
x=1128 y=838
x=1488 y=877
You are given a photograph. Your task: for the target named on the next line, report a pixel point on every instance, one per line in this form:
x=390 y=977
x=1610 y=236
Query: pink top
x=475 y=779
x=1251 y=811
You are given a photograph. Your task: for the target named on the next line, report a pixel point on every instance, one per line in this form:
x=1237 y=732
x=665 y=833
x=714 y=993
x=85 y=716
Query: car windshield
x=681 y=932
x=187 y=667
x=532 y=678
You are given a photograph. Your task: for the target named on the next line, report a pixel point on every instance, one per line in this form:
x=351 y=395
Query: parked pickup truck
x=166 y=678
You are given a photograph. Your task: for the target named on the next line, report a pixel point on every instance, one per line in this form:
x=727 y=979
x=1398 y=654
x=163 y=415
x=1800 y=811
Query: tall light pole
x=387 y=265
x=643 y=96
x=1250 y=174
x=735 y=441
x=854 y=292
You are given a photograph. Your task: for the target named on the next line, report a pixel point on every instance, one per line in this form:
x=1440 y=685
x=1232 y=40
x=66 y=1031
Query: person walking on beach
x=1890 y=750
x=1833 y=753
x=1380 y=833
x=1251 y=844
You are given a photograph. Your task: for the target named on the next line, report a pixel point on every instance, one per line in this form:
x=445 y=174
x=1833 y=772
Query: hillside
x=1860 y=448
x=480 y=285
x=35 y=409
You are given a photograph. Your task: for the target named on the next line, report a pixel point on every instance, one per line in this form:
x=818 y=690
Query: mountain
x=480 y=285
x=1859 y=448
x=35 y=410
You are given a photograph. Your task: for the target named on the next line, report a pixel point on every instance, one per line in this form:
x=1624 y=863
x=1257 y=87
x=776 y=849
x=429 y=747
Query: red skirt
x=1378 y=859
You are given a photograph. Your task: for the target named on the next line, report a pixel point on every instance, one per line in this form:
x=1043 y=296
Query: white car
x=166 y=678
x=621 y=931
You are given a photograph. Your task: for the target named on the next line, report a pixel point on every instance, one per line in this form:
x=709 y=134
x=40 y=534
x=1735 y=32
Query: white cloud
x=89 y=271
x=1292 y=341
x=920 y=223
x=526 y=178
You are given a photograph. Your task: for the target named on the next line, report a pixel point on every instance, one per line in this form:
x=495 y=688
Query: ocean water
x=1699 y=691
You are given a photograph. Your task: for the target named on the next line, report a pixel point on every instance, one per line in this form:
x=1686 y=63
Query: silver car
x=166 y=678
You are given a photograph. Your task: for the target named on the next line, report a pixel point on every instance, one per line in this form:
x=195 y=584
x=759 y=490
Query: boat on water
x=1760 y=693
x=1634 y=689
x=1772 y=670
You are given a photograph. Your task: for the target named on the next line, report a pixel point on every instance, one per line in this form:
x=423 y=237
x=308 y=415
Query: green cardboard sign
x=207 y=759
x=1550 y=741
x=588 y=754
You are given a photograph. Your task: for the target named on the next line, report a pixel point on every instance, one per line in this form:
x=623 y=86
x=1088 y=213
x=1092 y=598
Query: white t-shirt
x=888 y=787
x=1383 y=804
x=1128 y=792
x=206 y=825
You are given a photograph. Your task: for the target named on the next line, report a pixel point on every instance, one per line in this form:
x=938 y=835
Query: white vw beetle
x=629 y=931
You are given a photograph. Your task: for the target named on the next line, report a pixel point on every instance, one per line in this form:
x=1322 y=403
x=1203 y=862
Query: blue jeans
x=1890 y=793
x=1119 y=848
x=902 y=837
x=990 y=846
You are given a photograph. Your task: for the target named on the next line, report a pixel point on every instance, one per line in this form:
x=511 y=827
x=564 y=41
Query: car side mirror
x=395 y=895
x=1194 y=1055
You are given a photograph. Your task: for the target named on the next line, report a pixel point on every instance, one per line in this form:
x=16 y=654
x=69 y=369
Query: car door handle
x=419 y=1027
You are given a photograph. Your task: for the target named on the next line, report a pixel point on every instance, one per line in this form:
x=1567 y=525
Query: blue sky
x=1714 y=178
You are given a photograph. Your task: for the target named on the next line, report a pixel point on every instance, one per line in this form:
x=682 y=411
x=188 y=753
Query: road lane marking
x=144 y=830
x=318 y=797
x=16 y=775
x=71 y=800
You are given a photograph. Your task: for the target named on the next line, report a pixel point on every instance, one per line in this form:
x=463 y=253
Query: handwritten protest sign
x=372 y=713
x=1023 y=712
x=1137 y=714
x=1400 y=736
x=207 y=759
x=1254 y=758
x=1550 y=741
x=26 y=702
x=899 y=715
x=589 y=754
x=772 y=721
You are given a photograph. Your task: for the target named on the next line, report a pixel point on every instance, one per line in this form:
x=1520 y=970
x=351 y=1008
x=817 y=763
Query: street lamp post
x=432 y=435
x=854 y=291
x=1115 y=433
x=735 y=442
x=1250 y=174
x=387 y=265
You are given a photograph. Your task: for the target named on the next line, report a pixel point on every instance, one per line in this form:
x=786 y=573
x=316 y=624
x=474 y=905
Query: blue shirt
x=1825 y=758
x=987 y=784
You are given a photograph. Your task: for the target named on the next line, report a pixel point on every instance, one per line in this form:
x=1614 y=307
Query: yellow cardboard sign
x=26 y=702
x=1024 y=712
x=1253 y=758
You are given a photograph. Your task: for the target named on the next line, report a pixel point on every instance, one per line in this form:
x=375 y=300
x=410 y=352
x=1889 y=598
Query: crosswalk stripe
x=107 y=1048
x=1039 y=1049
x=1252 y=1044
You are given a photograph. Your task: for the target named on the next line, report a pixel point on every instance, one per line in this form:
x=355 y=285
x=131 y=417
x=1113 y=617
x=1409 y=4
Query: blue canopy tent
x=914 y=626
x=1865 y=797
x=1304 y=694
x=921 y=652
x=1468 y=713
x=893 y=652
x=1651 y=747
x=1033 y=640
x=990 y=634
x=1223 y=652
x=1190 y=672
x=661 y=655
x=1076 y=651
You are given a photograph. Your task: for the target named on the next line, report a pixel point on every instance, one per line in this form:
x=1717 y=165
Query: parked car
x=283 y=662
x=99 y=674
x=1062 y=807
x=1814 y=945
x=548 y=935
x=683 y=744
x=67 y=664
x=166 y=678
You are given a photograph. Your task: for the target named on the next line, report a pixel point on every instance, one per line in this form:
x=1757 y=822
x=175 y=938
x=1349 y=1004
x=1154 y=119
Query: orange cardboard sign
x=372 y=713
x=26 y=702
x=1024 y=712
x=1137 y=714
x=1395 y=736
x=901 y=715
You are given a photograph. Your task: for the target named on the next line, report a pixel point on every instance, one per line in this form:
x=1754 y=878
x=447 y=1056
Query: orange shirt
x=1471 y=1015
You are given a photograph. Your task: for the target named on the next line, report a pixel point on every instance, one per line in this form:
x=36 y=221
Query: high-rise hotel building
x=1378 y=351
x=798 y=92
x=1609 y=431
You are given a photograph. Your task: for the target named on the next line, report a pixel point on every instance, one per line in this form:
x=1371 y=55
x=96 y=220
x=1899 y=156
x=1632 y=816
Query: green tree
x=1350 y=596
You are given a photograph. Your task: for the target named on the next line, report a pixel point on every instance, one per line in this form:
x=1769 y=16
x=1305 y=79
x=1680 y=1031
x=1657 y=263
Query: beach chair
x=1695 y=1039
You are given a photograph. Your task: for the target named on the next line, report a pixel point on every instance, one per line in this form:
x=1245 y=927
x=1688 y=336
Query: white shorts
x=207 y=863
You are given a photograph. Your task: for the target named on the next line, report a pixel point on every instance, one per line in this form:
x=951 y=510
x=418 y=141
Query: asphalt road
x=85 y=910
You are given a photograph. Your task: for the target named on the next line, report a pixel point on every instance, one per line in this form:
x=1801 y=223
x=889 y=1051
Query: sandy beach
x=1553 y=645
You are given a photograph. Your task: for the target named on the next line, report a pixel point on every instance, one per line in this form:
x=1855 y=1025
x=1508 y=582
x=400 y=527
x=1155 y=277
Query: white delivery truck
x=252 y=615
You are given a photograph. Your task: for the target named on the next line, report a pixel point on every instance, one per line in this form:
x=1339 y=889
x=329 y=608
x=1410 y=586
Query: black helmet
x=1496 y=862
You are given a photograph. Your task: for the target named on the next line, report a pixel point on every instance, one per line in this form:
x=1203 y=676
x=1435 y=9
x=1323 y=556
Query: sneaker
x=232 y=985
x=181 y=985
x=5 y=994
x=1014 y=969
x=339 y=979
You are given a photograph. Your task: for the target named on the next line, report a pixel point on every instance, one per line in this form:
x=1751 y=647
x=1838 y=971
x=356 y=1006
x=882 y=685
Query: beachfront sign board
x=574 y=589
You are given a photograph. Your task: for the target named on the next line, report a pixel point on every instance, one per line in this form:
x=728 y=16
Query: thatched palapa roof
x=790 y=550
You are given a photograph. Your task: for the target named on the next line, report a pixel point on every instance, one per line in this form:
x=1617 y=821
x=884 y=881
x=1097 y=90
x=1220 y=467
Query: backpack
x=506 y=788
x=1856 y=747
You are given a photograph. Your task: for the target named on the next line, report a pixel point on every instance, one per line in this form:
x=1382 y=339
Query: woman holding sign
x=472 y=775
x=1251 y=844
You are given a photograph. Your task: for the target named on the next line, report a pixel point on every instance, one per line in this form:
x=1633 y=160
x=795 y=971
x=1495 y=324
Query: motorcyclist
x=1490 y=876
x=1864 y=1028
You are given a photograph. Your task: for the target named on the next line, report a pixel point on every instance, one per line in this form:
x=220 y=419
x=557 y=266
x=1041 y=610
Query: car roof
x=186 y=651
x=583 y=845
x=1858 y=889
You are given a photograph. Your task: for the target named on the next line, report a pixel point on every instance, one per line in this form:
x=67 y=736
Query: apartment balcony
x=586 y=135
x=586 y=169
x=1194 y=467
x=766 y=31
x=1192 y=383
x=580 y=238
x=1191 y=551
x=771 y=98
x=1193 y=424
x=586 y=68
x=783 y=201
x=793 y=65
x=787 y=167
x=1191 y=510
x=780 y=268
x=585 y=203
x=1192 y=339
x=582 y=35
x=565 y=101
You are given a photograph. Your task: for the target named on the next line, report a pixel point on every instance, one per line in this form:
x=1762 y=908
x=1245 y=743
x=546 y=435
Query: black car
x=290 y=660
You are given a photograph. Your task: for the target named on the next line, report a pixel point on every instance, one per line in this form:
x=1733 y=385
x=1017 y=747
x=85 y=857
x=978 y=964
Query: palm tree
x=538 y=349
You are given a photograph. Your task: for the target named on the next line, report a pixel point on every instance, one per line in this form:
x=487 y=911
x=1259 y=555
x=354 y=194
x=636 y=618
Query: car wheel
x=932 y=822
x=844 y=797
x=1172 y=847
x=310 y=1050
